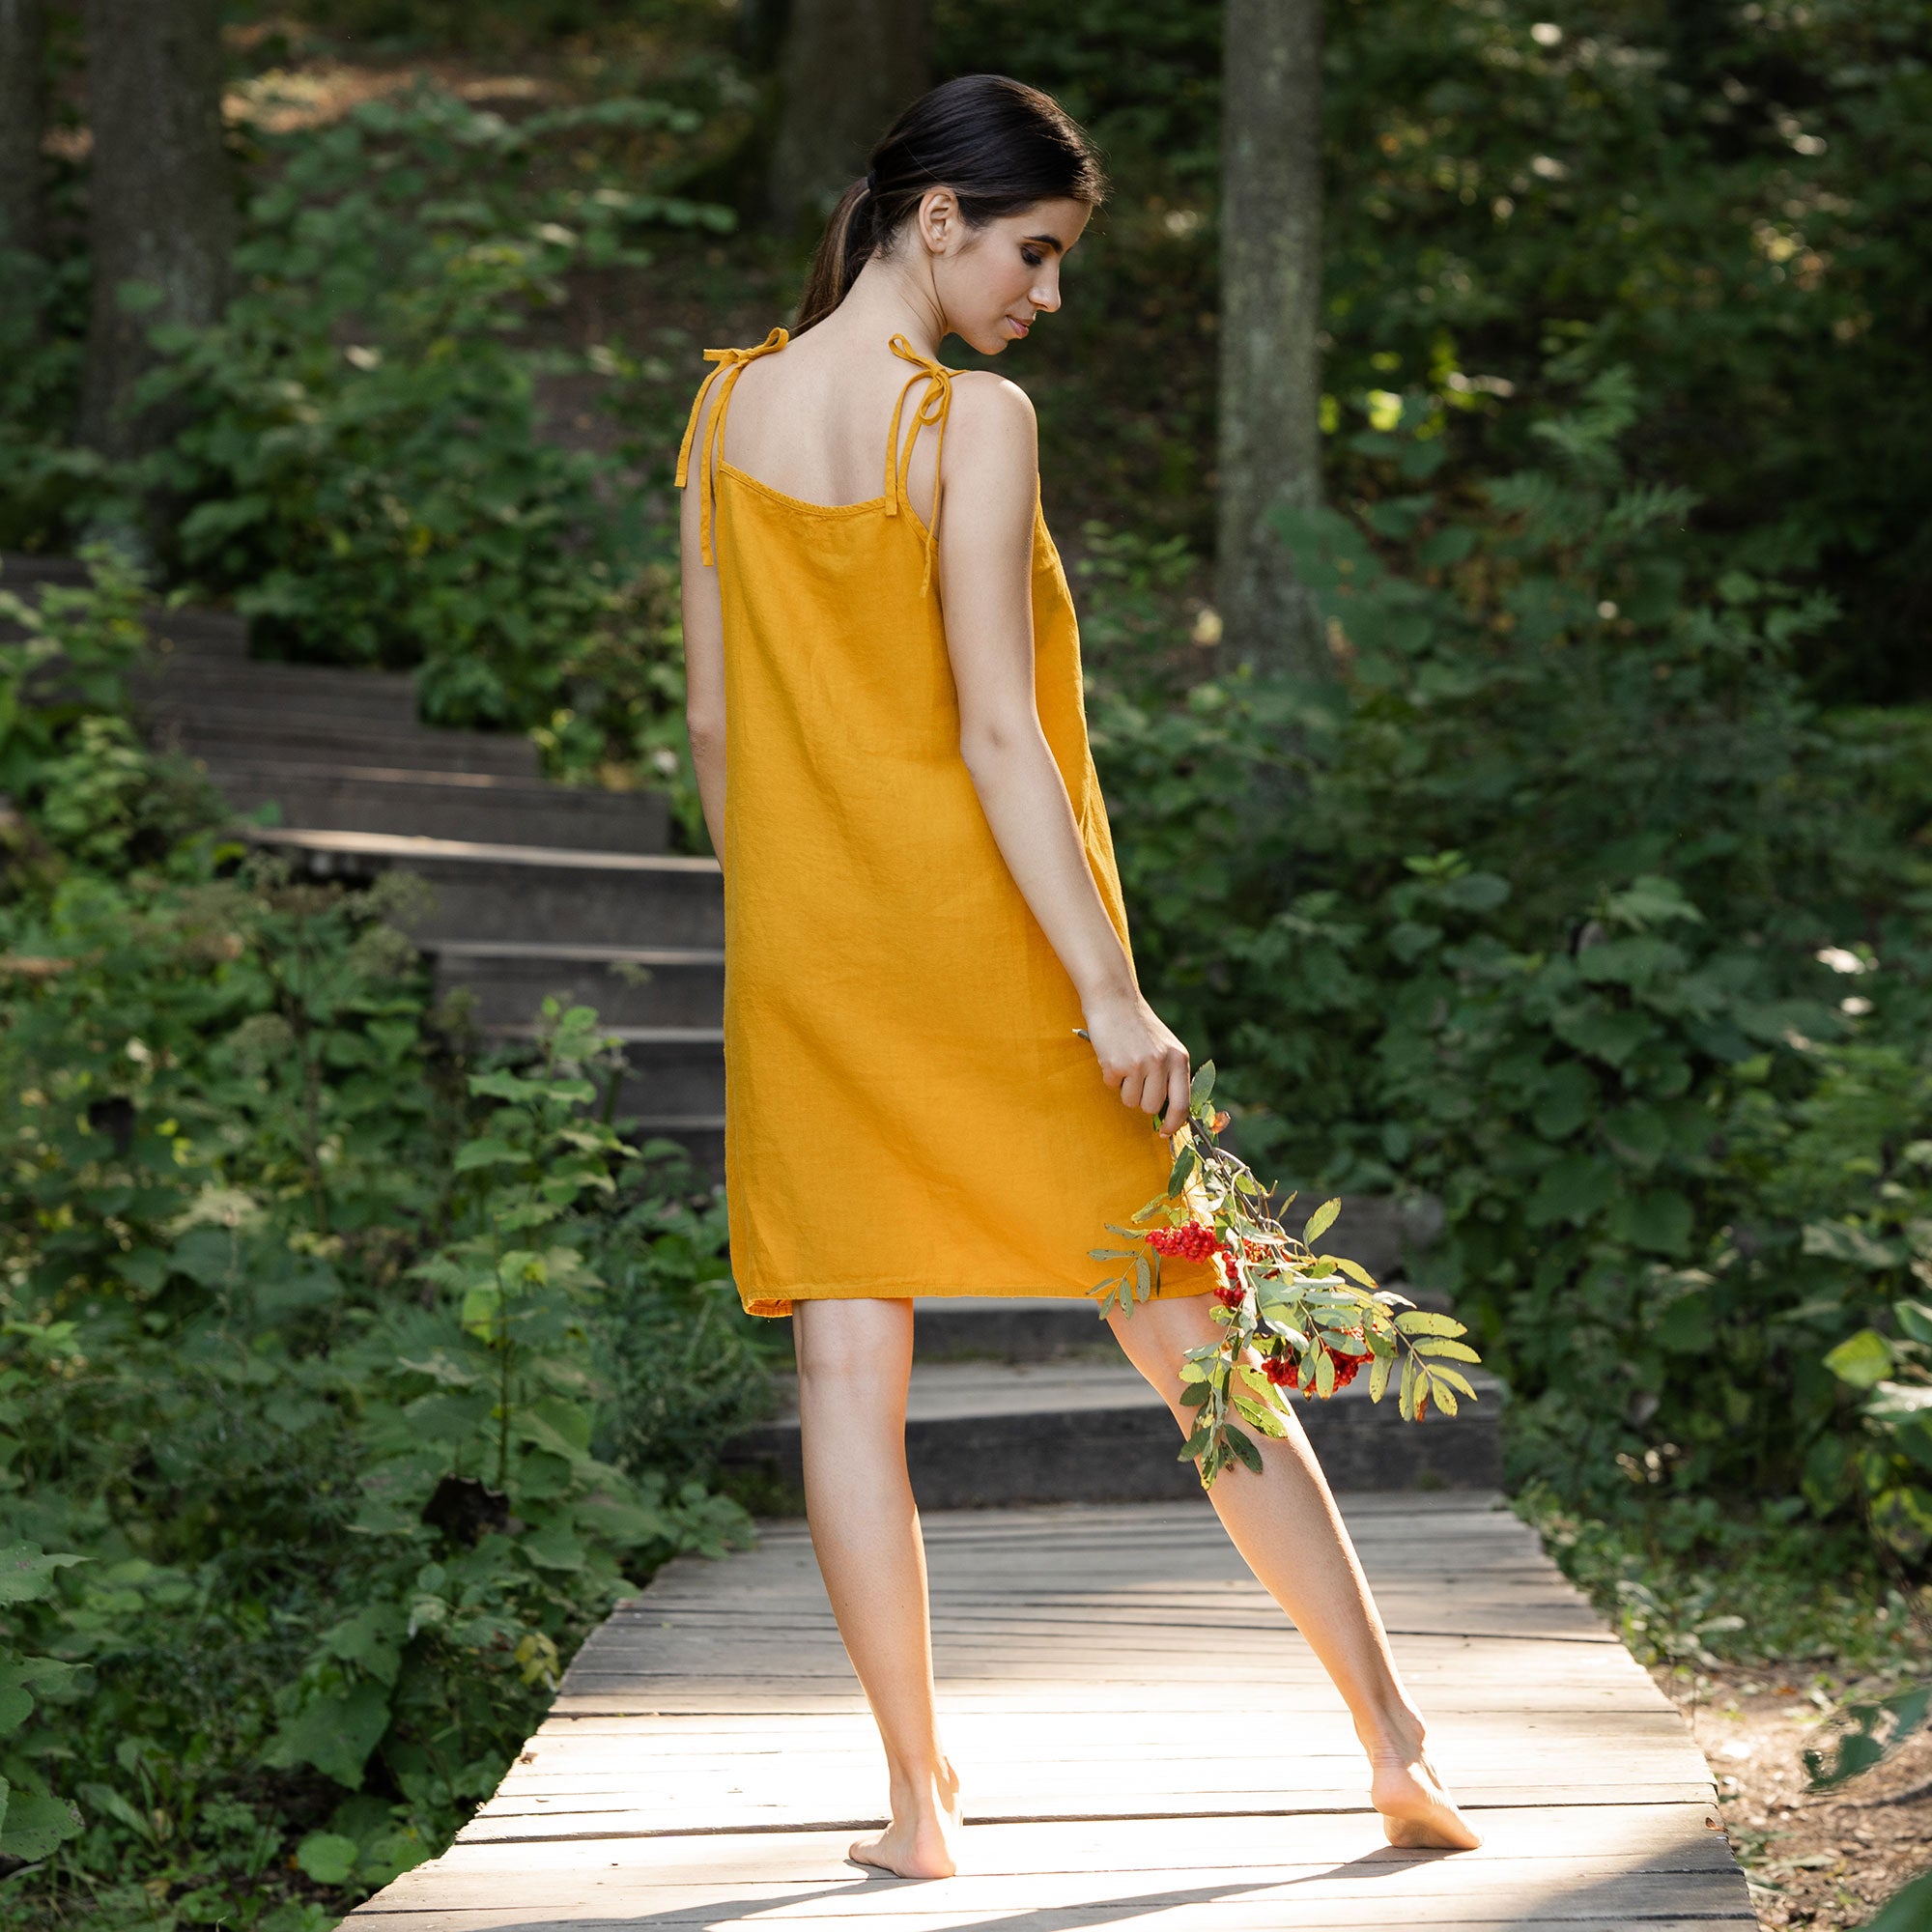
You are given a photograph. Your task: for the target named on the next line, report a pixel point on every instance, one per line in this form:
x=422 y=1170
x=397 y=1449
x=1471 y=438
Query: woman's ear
x=939 y=224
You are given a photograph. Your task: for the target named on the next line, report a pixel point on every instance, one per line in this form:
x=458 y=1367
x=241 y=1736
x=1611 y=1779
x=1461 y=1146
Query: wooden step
x=629 y=986
x=462 y=805
x=1036 y=1329
x=228 y=735
x=181 y=684
x=981 y=1434
x=504 y=892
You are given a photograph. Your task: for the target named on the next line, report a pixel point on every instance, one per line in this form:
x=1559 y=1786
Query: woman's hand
x=1140 y=1058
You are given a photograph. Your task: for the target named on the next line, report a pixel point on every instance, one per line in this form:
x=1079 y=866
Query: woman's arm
x=985 y=575
x=703 y=659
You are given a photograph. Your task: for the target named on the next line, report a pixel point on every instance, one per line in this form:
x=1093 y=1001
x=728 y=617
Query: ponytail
x=997 y=144
x=845 y=250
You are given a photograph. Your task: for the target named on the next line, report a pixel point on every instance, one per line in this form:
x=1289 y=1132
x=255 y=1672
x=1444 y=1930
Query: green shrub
x=362 y=461
x=1527 y=913
x=306 y=1347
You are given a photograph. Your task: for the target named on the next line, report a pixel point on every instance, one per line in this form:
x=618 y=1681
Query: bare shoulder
x=992 y=426
x=984 y=404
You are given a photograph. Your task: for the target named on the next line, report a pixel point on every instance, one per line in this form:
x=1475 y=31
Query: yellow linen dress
x=908 y=1109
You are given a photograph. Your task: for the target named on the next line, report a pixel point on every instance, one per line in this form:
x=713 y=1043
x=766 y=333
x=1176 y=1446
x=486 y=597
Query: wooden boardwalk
x=709 y=1756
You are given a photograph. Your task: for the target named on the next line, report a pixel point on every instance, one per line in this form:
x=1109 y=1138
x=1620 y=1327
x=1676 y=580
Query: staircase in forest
x=544 y=889
x=539 y=887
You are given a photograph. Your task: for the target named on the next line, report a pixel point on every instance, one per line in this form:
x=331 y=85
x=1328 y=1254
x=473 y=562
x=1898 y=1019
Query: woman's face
x=992 y=282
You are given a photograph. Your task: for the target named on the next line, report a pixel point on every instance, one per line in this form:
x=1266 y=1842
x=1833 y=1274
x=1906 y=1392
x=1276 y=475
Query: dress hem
x=778 y=1306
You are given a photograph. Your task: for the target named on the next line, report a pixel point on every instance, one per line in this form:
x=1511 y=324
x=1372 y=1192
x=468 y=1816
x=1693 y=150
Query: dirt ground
x=1827 y=1859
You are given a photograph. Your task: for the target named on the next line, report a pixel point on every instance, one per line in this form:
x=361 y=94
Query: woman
x=923 y=914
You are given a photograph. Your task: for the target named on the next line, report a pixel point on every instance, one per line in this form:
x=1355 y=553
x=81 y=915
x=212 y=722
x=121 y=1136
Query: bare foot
x=1417 y=1812
x=920 y=1841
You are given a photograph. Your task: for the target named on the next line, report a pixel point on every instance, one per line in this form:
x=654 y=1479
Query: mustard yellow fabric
x=907 y=1108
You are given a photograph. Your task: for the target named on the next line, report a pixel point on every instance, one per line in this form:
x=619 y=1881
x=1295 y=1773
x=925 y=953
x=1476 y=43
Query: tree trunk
x=161 y=206
x=22 y=122
x=1270 y=434
x=849 y=66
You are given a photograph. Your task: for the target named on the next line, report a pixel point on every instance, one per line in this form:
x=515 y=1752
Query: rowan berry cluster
x=1192 y=1241
x=1285 y=1371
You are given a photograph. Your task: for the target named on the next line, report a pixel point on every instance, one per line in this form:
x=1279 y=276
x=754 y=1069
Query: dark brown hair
x=999 y=145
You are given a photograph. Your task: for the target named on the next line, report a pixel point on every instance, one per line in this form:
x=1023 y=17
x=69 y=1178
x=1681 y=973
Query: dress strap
x=731 y=365
x=933 y=408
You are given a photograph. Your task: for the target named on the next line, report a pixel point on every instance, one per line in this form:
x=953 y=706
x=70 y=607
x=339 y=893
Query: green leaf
x=1609 y=1036
x=488 y=1152
x=1474 y=892
x=1899 y=1402
x=1244 y=1447
x=1863 y=1360
x=1354 y=1270
x=1202 y=1086
x=1378 y=1376
x=1844 y=1241
x=1258 y=1418
x=1907 y=1909
x=335 y=1734
x=1568 y=1098
x=1914 y=1318
x=1457 y=1351
x=1321 y=1221
x=1426 y=1322
x=19 y=1677
x=25 y=1574
x=372 y=1638
x=1191 y=1397
x=34 y=1824
x=1573 y=1189
x=327 y=1857
x=1658 y=1220
x=1651 y=901
x=1880 y=1729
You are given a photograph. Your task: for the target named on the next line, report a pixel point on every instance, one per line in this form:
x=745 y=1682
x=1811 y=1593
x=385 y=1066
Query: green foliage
x=304 y=1349
x=1692 y=1582
x=33 y=1820
x=1538 y=911
x=362 y=458
x=69 y=755
x=367 y=457
x=1723 y=197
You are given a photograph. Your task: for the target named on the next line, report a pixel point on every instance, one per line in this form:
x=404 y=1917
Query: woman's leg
x=854 y=1359
x=1286 y=1523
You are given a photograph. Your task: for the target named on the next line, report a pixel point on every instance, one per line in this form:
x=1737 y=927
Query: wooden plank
x=709 y=1755
x=1238 y=1894
x=1636 y=1839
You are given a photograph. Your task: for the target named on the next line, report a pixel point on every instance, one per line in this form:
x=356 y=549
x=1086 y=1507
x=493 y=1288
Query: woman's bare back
x=812 y=421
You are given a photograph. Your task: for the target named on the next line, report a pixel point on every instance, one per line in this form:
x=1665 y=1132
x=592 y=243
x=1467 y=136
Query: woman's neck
x=886 y=301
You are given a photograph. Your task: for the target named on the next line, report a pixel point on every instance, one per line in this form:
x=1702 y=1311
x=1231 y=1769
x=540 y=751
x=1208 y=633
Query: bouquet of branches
x=1290 y=1320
